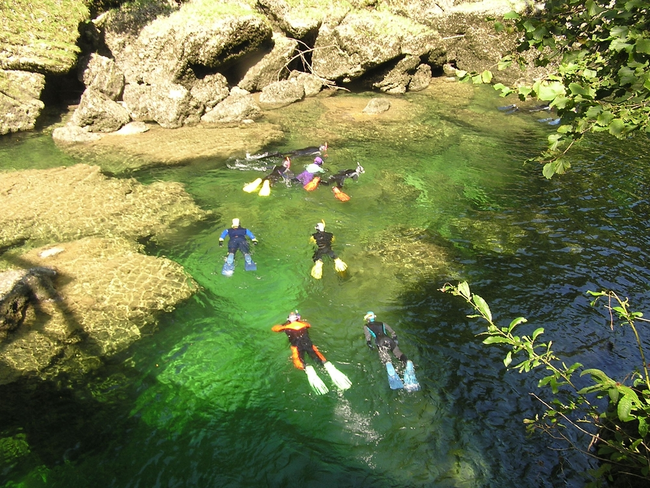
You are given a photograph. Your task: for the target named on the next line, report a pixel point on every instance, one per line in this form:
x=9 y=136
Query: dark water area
x=212 y=399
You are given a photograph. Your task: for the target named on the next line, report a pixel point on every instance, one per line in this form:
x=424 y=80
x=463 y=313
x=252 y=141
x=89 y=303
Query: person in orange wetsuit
x=298 y=334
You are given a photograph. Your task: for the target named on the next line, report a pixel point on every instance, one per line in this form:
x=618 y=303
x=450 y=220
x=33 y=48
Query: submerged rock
x=60 y=204
x=99 y=297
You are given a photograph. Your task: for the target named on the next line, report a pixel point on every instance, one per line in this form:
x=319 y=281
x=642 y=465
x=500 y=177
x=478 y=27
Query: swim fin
x=229 y=266
x=317 y=270
x=394 y=381
x=266 y=189
x=315 y=382
x=253 y=185
x=410 y=381
x=339 y=379
x=339 y=265
x=249 y=265
x=313 y=184
x=340 y=195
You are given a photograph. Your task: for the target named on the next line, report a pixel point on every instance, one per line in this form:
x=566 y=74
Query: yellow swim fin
x=339 y=265
x=253 y=185
x=266 y=189
x=317 y=270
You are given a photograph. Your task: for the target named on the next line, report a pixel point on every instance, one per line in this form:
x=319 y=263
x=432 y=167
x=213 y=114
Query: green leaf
x=616 y=127
x=538 y=332
x=643 y=45
x=508 y=359
x=496 y=340
x=577 y=89
x=548 y=91
x=620 y=45
x=463 y=288
x=486 y=76
x=624 y=409
x=512 y=15
x=558 y=166
x=483 y=307
x=599 y=376
x=515 y=323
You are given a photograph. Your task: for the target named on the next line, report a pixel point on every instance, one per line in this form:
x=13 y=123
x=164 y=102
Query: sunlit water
x=212 y=399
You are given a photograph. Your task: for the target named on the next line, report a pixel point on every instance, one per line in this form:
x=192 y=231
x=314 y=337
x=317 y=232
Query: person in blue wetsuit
x=237 y=241
x=373 y=329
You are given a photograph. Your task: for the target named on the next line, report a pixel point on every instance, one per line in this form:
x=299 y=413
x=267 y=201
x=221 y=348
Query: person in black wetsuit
x=323 y=241
x=237 y=241
x=373 y=329
x=280 y=172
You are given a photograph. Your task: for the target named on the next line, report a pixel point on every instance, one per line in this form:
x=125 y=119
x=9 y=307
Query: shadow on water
x=212 y=398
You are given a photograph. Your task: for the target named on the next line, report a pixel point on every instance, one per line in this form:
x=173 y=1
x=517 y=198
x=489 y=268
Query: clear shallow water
x=212 y=399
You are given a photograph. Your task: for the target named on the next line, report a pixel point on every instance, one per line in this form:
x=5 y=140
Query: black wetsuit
x=279 y=173
x=339 y=178
x=324 y=242
x=378 y=331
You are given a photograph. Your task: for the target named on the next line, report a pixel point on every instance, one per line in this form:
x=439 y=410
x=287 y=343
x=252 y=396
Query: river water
x=212 y=399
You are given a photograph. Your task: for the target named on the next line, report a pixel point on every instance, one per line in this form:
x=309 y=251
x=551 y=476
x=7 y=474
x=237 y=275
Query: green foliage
x=602 y=83
x=619 y=436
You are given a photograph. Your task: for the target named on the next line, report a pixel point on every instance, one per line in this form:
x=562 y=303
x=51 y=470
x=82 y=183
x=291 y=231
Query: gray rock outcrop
x=282 y=93
x=237 y=107
x=20 y=102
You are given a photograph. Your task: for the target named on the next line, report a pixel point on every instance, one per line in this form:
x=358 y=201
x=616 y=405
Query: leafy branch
x=618 y=436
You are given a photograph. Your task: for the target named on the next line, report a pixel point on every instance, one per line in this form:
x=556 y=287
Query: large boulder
x=99 y=113
x=301 y=20
x=272 y=67
x=397 y=77
x=169 y=104
x=20 y=105
x=366 y=40
x=282 y=93
x=237 y=107
x=200 y=35
x=312 y=84
x=210 y=90
x=102 y=74
x=41 y=37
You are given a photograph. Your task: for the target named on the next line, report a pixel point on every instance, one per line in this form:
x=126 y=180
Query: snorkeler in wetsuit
x=237 y=241
x=373 y=329
x=323 y=241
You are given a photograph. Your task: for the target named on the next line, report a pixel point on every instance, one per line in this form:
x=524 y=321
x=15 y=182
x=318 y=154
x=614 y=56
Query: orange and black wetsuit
x=300 y=342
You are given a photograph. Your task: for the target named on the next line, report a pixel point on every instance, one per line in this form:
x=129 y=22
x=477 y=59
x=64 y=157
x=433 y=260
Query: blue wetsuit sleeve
x=224 y=234
x=250 y=234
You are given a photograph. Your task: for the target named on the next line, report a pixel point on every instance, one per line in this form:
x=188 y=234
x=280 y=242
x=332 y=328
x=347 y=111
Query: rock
x=365 y=40
x=41 y=37
x=98 y=113
x=102 y=74
x=67 y=203
x=282 y=93
x=17 y=289
x=132 y=128
x=169 y=104
x=105 y=294
x=210 y=90
x=272 y=67
x=152 y=49
x=421 y=79
x=312 y=84
x=302 y=20
x=71 y=133
x=376 y=106
x=19 y=100
x=238 y=106
x=396 y=78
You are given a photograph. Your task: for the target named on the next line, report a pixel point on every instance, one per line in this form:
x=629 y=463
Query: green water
x=212 y=399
